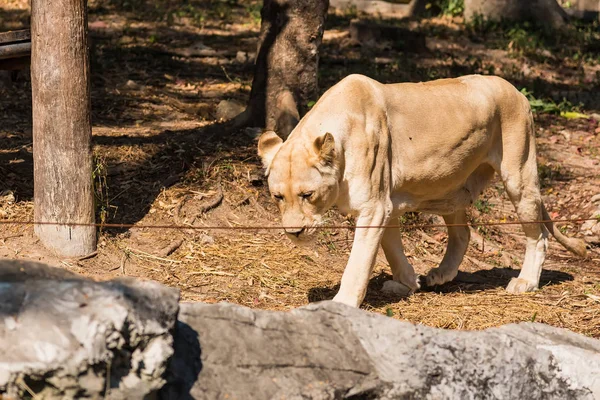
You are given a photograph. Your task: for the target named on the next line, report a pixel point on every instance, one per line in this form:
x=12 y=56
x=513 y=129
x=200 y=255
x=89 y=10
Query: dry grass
x=165 y=160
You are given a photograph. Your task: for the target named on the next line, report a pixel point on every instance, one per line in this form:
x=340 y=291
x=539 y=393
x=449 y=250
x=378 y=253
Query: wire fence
x=268 y=227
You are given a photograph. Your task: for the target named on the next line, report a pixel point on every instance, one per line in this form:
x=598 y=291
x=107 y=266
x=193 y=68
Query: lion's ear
x=268 y=145
x=325 y=147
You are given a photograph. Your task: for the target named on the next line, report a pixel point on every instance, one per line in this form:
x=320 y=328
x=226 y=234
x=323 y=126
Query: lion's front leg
x=362 y=257
x=405 y=281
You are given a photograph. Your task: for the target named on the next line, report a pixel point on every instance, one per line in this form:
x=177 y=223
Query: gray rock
x=241 y=57
x=61 y=335
x=591 y=228
x=229 y=109
x=371 y=34
x=331 y=351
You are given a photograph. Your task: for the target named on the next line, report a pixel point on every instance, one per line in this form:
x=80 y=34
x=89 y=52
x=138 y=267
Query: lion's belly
x=458 y=192
x=444 y=205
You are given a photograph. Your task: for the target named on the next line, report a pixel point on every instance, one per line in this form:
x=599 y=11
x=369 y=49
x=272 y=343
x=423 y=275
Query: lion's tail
x=576 y=246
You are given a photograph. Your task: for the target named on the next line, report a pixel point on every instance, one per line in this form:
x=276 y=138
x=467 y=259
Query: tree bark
x=62 y=134
x=285 y=76
x=546 y=12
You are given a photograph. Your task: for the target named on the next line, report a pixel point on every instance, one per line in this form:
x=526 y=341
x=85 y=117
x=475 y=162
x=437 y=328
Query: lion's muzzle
x=295 y=231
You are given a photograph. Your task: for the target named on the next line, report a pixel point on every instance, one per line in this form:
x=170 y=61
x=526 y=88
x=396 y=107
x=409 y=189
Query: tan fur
x=378 y=151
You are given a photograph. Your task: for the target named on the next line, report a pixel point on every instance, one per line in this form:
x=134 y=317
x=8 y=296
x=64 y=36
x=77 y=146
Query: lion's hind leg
x=458 y=242
x=520 y=176
x=524 y=193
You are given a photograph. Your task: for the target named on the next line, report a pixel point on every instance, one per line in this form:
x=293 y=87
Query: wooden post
x=62 y=134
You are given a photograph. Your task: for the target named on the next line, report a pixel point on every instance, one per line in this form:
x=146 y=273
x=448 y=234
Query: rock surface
x=61 y=335
x=228 y=109
x=330 y=351
x=371 y=34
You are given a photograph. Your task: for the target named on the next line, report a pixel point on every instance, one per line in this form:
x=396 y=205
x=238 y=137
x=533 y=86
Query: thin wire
x=242 y=227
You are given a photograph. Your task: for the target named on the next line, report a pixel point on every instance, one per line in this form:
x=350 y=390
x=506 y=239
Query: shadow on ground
x=465 y=282
x=139 y=74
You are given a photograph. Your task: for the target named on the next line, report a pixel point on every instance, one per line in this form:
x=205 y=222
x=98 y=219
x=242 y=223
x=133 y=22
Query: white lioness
x=377 y=151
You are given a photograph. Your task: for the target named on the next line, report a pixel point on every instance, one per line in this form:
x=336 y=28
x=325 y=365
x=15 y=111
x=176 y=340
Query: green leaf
x=311 y=103
x=573 y=115
x=389 y=312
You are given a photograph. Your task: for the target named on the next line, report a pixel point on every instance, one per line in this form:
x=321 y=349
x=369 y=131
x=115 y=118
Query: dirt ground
x=160 y=68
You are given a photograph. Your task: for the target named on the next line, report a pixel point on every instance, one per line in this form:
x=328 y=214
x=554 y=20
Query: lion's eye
x=307 y=195
x=278 y=197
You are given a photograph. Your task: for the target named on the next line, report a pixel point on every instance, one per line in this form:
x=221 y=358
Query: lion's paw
x=396 y=289
x=520 y=285
x=438 y=276
x=348 y=300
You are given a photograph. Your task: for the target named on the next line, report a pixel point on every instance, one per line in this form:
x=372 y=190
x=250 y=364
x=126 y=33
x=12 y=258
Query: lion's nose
x=295 y=231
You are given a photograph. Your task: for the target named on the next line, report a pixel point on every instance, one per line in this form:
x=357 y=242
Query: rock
x=592 y=226
x=206 y=240
x=61 y=335
x=595 y=198
x=196 y=50
x=331 y=351
x=229 y=109
x=592 y=240
x=241 y=57
x=7 y=197
x=371 y=34
x=378 y=8
x=130 y=84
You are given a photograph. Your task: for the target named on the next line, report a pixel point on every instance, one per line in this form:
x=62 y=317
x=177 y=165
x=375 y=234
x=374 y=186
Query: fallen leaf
x=573 y=115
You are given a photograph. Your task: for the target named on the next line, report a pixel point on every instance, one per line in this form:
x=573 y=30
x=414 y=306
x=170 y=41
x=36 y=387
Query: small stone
x=595 y=198
x=206 y=239
x=229 y=109
x=7 y=196
x=132 y=85
x=126 y=40
x=587 y=226
x=593 y=240
x=241 y=57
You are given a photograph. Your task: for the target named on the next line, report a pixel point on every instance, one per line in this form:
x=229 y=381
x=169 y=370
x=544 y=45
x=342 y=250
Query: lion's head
x=303 y=179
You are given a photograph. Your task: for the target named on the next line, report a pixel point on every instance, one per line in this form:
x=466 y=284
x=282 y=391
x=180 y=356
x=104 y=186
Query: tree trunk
x=546 y=12
x=62 y=132
x=285 y=76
